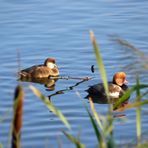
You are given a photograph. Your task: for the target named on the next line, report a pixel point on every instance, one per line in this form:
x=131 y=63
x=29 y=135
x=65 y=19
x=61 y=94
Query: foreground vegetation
x=102 y=125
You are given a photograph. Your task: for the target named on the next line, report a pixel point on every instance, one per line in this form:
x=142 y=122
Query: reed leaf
x=17 y=117
x=136 y=104
x=138 y=113
x=50 y=106
x=74 y=140
x=127 y=94
x=104 y=79
x=95 y=114
x=100 y=138
x=104 y=132
x=99 y=62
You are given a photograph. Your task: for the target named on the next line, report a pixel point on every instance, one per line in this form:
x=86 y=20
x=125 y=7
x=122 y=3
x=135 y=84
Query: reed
x=17 y=117
x=127 y=95
x=1 y=146
x=138 y=113
x=99 y=61
x=109 y=126
x=74 y=140
x=105 y=137
x=99 y=133
x=50 y=106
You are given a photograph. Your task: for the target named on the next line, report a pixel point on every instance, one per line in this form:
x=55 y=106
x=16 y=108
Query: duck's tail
x=23 y=75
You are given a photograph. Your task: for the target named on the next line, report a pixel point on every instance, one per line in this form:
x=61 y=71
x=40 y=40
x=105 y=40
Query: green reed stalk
x=50 y=106
x=99 y=134
x=109 y=126
x=127 y=95
x=1 y=146
x=74 y=140
x=138 y=113
x=99 y=62
x=95 y=114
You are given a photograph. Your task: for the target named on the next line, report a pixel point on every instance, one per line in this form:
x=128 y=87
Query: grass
x=103 y=130
x=138 y=103
x=138 y=113
x=103 y=126
x=74 y=140
x=109 y=126
x=50 y=106
x=136 y=55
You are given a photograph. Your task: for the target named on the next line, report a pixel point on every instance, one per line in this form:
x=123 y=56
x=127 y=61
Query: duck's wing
x=96 y=89
x=30 y=69
x=43 y=72
x=26 y=73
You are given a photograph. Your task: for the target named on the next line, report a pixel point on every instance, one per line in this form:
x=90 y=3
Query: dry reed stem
x=17 y=117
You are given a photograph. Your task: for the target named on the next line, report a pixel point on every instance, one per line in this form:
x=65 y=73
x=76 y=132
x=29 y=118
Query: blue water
x=39 y=29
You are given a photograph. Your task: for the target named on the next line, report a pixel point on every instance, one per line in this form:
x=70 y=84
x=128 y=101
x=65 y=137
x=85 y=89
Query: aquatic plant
x=103 y=126
x=50 y=106
x=17 y=117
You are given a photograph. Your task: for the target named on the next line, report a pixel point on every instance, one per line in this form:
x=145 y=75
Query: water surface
x=41 y=29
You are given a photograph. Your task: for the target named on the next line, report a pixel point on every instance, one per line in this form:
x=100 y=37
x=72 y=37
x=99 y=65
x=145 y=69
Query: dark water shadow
x=62 y=91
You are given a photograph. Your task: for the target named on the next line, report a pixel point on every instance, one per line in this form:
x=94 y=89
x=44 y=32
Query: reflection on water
x=67 y=89
x=48 y=83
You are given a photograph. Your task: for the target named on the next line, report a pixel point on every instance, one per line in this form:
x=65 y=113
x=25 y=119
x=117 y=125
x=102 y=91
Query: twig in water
x=68 y=77
x=66 y=89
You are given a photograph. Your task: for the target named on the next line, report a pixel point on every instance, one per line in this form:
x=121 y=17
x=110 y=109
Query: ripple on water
x=61 y=30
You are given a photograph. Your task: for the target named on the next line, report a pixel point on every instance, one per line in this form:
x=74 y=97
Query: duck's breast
x=114 y=91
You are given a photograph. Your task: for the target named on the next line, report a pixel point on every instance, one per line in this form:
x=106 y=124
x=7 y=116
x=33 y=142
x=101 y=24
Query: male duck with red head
x=116 y=88
x=49 y=68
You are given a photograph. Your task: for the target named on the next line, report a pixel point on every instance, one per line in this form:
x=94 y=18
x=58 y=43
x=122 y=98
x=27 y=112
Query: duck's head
x=50 y=63
x=120 y=78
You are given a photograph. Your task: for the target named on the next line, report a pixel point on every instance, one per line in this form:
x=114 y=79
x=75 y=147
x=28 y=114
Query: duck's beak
x=125 y=82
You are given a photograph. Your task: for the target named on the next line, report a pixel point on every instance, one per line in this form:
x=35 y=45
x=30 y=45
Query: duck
x=49 y=68
x=117 y=88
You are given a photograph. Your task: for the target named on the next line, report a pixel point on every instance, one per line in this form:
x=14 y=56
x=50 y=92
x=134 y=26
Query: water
x=41 y=29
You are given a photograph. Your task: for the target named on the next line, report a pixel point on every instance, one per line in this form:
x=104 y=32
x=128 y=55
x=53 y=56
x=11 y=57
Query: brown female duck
x=116 y=88
x=49 y=68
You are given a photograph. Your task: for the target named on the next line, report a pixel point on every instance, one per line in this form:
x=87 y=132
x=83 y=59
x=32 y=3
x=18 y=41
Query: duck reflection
x=47 y=82
x=97 y=99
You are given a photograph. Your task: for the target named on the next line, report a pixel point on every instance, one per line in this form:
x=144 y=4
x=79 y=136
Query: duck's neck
x=114 y=82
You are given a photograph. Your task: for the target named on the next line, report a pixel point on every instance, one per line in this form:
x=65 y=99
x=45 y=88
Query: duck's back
x=97 y=90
